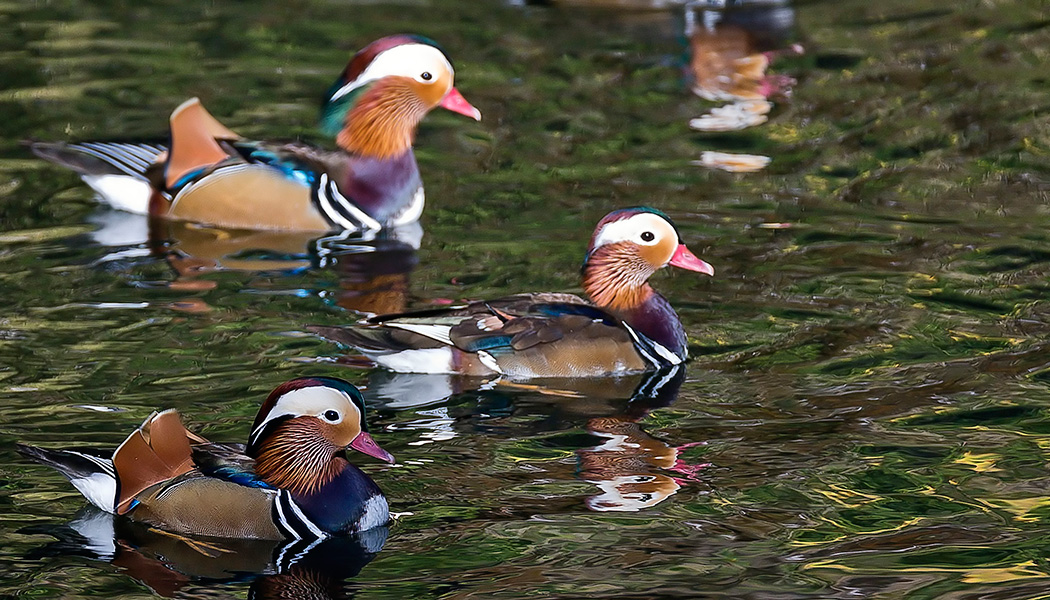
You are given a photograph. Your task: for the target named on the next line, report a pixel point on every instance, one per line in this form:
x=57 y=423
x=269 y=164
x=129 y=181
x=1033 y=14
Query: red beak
x=684 y=259
x=365 y=444
x=455 y=102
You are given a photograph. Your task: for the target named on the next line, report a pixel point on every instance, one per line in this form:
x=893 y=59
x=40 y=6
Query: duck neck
x=657 y=320
x=384 y=188
x=297 y=458
x=618 y=282
x=350 y=503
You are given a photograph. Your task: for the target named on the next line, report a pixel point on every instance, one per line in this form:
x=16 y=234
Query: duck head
x=385 y=91
x=627 y=247
x=301 y=433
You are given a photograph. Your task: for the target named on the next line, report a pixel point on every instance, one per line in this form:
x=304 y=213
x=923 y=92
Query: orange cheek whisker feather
x=296 y=461
x=615 y=278
x=384 y=122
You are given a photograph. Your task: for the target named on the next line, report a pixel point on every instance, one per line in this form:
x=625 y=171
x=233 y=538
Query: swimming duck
x=625 y=327
x=291 y=481
x=211 y=175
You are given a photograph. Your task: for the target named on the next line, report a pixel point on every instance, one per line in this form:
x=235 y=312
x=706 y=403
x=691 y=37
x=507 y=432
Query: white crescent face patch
x=644 y=229
x=423 y=63
x=316 y=401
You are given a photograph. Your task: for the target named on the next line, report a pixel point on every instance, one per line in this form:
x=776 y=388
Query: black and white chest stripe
x=652 y=352
x=338 y=209
x=291 y=521
x=341 y=211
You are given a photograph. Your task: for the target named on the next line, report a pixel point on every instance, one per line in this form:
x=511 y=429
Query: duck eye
x=647 y=236
x=331 y=415
x=426 y=76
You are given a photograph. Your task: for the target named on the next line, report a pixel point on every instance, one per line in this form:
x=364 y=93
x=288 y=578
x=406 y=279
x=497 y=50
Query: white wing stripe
x=112 y=160
x=119 y=152
x=340 y=210
x=440 y=333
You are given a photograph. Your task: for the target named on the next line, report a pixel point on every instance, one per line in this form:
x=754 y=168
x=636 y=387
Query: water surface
x=867 y=413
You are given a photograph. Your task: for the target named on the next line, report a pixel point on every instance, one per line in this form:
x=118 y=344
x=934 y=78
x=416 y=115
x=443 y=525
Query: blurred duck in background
x=209 y=174
x=732 y=45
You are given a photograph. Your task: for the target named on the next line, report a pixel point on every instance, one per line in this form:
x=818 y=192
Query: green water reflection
x=869 y=384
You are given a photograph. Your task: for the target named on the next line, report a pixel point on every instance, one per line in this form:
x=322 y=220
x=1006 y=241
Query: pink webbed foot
x=689 y=472
x=776 y=84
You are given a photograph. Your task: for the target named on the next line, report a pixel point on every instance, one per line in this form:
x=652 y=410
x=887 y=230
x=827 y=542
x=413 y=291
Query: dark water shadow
x=169 y=564
x=372 y=272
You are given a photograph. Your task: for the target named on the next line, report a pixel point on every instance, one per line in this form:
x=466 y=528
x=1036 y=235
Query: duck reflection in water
x=168 y=563
x=731 y=47
x=373 y=270
x=632 y=469
x=626 y=466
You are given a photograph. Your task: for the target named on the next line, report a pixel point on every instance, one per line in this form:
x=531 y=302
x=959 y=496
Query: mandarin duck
x=291 y=481
x=211 y=175
x=625 y=327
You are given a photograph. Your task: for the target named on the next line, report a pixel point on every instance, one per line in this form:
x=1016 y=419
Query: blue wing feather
x=492 y=345
x=471 y=339
x=564 y=308
x=228 y=462
x=247 y=479
x=291 y=168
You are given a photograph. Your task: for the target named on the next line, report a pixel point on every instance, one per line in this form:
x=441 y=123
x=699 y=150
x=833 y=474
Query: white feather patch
x=430 y=360
x=122 y=192
x=312 y=400
x=413 y=211
x=376 y=513
x=632 y=228
x=490 y=362
x=100 y=489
